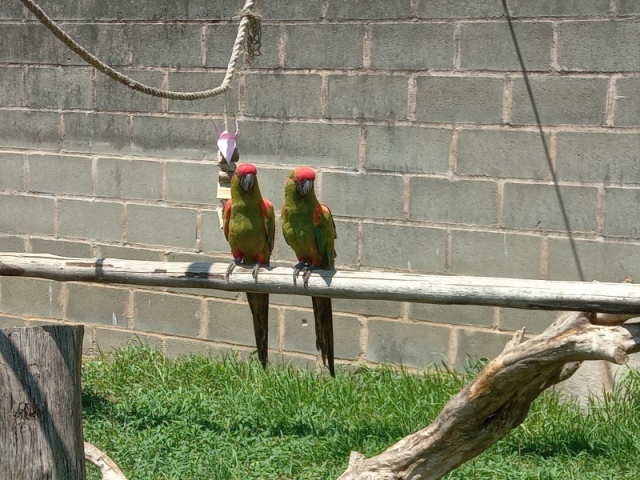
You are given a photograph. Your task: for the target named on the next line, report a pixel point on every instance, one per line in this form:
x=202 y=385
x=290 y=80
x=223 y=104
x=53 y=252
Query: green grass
x=198 y=418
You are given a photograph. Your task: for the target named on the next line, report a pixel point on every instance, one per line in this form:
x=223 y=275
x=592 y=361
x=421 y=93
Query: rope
x=536 y=114
x=249 y=22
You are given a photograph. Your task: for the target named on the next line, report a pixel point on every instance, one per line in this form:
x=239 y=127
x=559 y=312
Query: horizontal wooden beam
x=370 y=285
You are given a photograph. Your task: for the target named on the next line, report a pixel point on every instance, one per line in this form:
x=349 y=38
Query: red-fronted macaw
x=309 y=229
x=249 y=226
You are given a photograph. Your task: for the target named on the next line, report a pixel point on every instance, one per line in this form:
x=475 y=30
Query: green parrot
x=309 y=229
x=249 y=227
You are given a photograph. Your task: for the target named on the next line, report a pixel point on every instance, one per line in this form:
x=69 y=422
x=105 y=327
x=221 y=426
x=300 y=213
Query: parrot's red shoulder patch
x=305 y=173
x=320 y=211
x=266 y=205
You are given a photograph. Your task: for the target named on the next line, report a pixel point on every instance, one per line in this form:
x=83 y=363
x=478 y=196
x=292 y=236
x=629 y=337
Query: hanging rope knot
x=253 y=38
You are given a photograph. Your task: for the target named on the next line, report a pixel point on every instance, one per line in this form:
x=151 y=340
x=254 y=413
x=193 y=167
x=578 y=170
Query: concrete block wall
x=414 y=113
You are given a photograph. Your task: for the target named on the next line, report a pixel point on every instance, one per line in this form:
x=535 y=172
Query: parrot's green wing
x=325 y=233
x=269 y=222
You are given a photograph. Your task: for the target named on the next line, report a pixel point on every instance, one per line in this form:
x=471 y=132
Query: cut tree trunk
x=499 y=398
x=41 y=403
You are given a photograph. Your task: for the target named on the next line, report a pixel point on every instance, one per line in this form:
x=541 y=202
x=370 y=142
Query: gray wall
x=413 y=112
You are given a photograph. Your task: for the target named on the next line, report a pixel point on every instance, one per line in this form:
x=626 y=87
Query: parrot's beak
x=247 y=182
x=304 y=188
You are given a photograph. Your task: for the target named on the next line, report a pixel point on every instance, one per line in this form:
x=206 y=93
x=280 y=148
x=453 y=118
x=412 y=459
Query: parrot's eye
x=247 y=181
x=304 y=188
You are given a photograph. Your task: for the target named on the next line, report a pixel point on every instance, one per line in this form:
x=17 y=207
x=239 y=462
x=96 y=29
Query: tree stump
x=41 y=403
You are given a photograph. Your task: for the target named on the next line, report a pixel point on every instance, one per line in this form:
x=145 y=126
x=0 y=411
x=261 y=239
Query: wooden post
x=41 y=403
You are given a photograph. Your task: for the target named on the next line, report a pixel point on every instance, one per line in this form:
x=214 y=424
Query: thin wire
x=554 y=177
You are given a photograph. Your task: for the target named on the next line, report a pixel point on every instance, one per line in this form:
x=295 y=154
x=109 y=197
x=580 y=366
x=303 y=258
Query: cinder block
x=368 y=308
x=294 y=144
x=11 y=322
x=172 y=44
x=502 y=154
x=627 y=102
x=12 y=11
x=173 y=137
x=68 y=87
x=129 y=178
x=407 y=149
x=165 y=313
x=381 y=97
x=401 y=246
x=60 y=174
x=97 y=304
x=628 y=7
x=622 y=216
x=553 y=8
x=449 y=9
x=12 y=85
x=342 y=46
x=113 y=96
x=110 y=42
x=346 y=244
x=495 y=254
x=535 y=321
x=128 y=253
x=417 y=46
x=96 y=133
x=277 y=95
x=411 y=344
x=459 y=99
x=602 y=261
x=159 y=225
x=272 y=182
x=90 y=219
x=61 y=248
x=300 y=334
x=176 y=347
x=150 y=11
x=363 y=196
x=109 y=339
x=598 y=157
x=488 y=46
x=21 y=214
x=11 y=244
x=198 y=81
x=57 y=10
x=464 y=201
x=30 y=43
x=31 y=297
x=213 y=236
x=379 y=9
x=536 y=207
x=452 y=314
x=232 y=323
x=192 y=182
x=605 y=46
x=561 y=100
x=479 y=344
x=12 y=165
x=30 y=129
x=219 y=40
x=288 y=10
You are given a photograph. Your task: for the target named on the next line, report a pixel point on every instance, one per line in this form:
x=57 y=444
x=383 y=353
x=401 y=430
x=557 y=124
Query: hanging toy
x=227 y=158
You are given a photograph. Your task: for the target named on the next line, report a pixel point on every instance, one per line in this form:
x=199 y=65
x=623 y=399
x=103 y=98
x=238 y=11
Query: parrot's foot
x=256 y=269
x=231 y=267
x=303 y=267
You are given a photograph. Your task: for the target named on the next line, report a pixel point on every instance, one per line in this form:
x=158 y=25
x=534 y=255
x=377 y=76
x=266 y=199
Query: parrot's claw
x=230 y=268
x=302 y=267
x=256 y=269
x=307 y=274
x=297 y=269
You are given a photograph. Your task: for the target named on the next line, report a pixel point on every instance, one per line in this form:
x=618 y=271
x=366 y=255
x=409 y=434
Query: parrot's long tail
x=324 y=330
x=259 y=304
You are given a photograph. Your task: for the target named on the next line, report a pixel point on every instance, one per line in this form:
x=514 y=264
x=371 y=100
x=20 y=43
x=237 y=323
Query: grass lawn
x=197 y=418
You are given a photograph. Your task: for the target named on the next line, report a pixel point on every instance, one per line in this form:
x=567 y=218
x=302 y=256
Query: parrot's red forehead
x=304 y=173
x=245 y=168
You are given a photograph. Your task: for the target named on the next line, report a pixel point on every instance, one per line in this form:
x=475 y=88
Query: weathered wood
x=41 y=403
x=498 y=399
x=107 y=467
x=406 y=287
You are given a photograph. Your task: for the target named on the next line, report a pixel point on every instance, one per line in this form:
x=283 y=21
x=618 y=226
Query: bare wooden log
x=41 y=404
x=108 y=468
x=406 y=287
x=499 y=398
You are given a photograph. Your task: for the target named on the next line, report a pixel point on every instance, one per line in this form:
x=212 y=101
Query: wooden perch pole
x=498 y=399
x=41 y=404
x=405 y=287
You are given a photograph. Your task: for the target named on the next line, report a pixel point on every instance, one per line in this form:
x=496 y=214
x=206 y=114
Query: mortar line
x=366 y=47
x=544 y=258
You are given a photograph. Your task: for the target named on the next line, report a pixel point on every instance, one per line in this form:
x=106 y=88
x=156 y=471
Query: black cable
x=525 y=75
